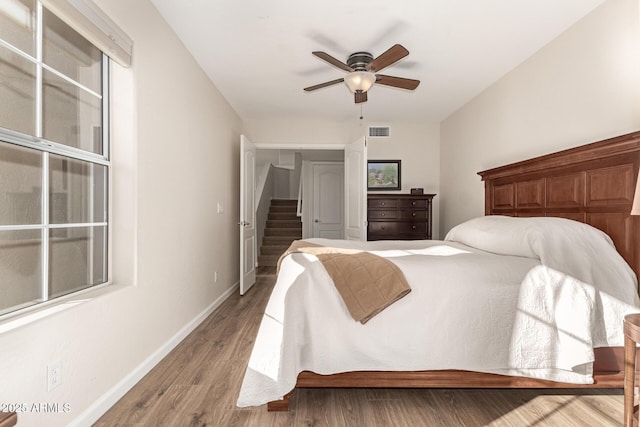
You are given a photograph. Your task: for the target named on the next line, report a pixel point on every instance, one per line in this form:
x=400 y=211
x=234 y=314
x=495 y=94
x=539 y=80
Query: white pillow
x=502 y=235
x=525 y=236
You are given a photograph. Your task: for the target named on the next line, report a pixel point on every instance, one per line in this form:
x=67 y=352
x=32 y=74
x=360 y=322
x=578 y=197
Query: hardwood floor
x=197 y=384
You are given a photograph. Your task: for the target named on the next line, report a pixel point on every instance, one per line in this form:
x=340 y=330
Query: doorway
x=327 y=199
x=351 y=212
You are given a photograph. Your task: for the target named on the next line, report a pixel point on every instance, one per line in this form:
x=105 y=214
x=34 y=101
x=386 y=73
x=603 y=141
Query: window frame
x=46 y=148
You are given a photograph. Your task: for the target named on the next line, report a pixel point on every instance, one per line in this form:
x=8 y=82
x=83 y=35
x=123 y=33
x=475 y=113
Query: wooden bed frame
x=594 y=184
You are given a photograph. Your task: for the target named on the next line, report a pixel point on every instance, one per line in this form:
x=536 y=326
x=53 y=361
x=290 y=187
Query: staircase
x=283 y=227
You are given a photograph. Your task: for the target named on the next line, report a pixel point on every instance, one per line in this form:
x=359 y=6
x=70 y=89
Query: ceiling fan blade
x=333 y=61
x=400 y=82
x=393 y=54
x=360 y=97
x=325 y=84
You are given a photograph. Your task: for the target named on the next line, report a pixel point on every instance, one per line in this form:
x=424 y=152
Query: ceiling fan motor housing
x=358 y=61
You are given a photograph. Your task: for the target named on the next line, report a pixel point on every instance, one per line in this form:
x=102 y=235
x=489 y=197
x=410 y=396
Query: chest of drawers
x=399 y=217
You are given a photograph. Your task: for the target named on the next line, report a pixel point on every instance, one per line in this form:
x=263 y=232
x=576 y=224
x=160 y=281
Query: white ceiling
x=258 y=52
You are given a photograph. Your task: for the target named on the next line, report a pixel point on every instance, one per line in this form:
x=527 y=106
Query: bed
x=581 y=190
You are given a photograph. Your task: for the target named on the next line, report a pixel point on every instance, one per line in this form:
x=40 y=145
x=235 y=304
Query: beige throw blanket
x=366 y=282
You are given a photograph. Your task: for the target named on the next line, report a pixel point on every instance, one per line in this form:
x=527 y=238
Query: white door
x=328 y=197
x=355 y=173
x=248 y=246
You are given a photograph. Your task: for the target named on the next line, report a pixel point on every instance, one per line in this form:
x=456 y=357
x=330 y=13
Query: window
x=54 y=158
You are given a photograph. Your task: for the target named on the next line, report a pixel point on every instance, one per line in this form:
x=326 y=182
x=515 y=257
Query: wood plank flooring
x=197 y=384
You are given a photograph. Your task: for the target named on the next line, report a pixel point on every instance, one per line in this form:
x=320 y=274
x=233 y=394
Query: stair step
x=284 y=202
x=283 y=209
x=283 y=215
x=284 y=223
x=273 y=249
x=295 y=233
x=278 y=240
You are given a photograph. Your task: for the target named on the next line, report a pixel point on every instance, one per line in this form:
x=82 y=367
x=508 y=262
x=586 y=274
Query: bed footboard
x=608 y=373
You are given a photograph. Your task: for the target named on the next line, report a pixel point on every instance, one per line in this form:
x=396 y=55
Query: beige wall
x=176 y=155
x=582 y=87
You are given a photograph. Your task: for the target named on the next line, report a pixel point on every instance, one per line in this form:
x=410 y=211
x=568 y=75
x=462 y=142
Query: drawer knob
x=383 y=214
x=413 y=203
x=413 y=227
x=413 y=214
x=382 y=203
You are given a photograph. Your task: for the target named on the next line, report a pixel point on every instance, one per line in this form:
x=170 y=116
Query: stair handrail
x=299 y=205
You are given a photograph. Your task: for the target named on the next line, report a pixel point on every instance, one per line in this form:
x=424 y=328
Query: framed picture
x=383 y=175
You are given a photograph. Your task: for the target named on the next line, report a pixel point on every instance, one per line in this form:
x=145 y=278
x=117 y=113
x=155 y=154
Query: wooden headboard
x=593 y=183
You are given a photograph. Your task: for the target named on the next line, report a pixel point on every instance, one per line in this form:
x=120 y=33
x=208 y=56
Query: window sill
x=33 y=314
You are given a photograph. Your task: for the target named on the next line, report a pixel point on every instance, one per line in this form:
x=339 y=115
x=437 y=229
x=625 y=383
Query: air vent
x=379 y=131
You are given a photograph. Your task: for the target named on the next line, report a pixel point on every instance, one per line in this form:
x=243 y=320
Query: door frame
x=301 y=147
x=360 y=233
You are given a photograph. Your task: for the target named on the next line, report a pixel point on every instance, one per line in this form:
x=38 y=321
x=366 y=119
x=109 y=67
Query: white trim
x=45 y=250
x=297 y=146
x=39 y=73
x=41 y=144
x=94 y=25
x=41 y=225
x=79 y=224
x=99 y=407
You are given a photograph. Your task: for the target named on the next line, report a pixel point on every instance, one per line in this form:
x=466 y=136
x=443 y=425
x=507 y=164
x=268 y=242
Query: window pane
x=78 y=260
x=17 y=92
x=71 y=116
x=20 y=185
x=71 y=54
x=20 y=269
x=77 y=191
x=18 y=24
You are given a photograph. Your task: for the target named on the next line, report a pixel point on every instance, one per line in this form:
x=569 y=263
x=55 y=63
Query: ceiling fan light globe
x=359 y=81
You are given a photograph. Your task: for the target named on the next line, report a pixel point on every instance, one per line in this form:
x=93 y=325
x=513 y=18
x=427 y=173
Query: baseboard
x=104 y=403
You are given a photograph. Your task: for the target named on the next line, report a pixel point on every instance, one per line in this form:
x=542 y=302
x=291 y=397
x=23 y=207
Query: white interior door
x=355 y=173
x=328 y=200
x=248 y=244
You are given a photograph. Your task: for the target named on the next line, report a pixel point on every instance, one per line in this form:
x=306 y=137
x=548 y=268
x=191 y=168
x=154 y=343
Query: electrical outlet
x=54 y=375
x=215 y=276
x=220 y=208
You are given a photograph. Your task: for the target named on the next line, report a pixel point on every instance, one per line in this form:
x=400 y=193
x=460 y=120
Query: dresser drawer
x=382 y=203
x=413 y=214
x=382 y=227
x=412 y=227
x=382 y=214
x=413 y=204
x=397 y=227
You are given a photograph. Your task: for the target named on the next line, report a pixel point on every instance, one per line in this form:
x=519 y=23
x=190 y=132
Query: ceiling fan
x=362 y=68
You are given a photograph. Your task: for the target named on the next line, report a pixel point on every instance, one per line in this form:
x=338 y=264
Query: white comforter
x=526 y=296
